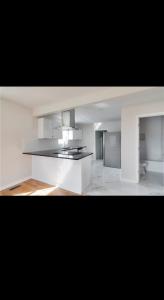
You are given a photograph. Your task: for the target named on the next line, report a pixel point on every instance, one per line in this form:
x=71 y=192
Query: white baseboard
x=4 y=187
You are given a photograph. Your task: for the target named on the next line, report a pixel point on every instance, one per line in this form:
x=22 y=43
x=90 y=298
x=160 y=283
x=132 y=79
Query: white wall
x=0 y=142
x=129 y=136
x=111 y=126
x=16 y=123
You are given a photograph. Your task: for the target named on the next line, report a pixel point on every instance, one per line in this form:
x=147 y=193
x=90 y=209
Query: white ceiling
x=45 y=100
x=34 y=96
x=39 y=96
x=111 y=109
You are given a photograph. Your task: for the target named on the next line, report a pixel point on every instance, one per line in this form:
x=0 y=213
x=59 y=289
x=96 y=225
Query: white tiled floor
x=106 y=181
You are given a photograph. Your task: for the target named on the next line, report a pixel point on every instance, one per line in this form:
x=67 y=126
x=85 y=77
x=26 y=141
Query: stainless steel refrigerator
x=112 y=149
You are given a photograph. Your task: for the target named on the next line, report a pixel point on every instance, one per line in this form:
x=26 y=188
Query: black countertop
x=51 y=153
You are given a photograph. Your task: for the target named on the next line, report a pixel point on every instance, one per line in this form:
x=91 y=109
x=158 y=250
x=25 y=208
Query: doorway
x=99 y=144
x=151 y=150
x=99 y=137
x=112 y=149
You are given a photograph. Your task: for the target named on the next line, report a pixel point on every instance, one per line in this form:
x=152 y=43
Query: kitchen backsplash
x=47 y=144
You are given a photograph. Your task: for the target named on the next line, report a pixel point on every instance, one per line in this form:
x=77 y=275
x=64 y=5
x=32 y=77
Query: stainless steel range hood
x=68 y=118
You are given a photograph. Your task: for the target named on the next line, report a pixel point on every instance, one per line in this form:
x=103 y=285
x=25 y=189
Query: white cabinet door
x=44 y=128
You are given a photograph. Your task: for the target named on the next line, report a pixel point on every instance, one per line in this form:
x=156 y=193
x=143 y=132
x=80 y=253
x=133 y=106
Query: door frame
x=102 y=143
x=138 y=138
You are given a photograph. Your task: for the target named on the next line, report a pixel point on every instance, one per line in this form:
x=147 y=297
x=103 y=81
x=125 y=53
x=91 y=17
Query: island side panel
x=64 y=173
x=86 y=172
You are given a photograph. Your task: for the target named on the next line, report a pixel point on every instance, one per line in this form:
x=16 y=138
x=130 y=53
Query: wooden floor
x=33 y=187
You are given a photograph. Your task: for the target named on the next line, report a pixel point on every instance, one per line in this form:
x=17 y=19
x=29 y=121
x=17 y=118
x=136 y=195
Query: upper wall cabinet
x=44 y=128
x=50 y=128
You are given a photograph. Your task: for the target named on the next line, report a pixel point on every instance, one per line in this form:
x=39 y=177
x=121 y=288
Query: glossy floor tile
x=106 y=181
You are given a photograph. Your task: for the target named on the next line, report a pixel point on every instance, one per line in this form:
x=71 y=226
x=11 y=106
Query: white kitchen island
x=69 y=174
